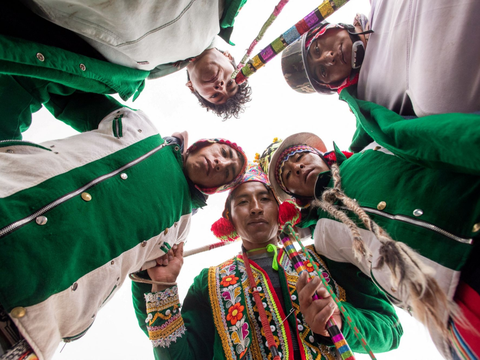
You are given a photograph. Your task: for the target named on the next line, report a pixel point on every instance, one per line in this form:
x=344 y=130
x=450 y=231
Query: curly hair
x=234 y=106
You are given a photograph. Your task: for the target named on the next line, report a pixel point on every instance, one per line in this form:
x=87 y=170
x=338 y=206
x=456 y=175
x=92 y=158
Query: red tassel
x=224 y=230
x=289 y=213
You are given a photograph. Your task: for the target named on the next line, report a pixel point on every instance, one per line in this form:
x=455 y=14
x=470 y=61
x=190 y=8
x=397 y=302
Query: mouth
x=342 y=54
x=307 y=173
x=208 y=166
x=257 y=222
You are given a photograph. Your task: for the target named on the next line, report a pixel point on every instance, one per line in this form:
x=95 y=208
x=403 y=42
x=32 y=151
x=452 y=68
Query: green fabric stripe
x=21 y=143
x=38 y=261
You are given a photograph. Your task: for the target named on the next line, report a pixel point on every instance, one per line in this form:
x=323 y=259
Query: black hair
x=234 y=106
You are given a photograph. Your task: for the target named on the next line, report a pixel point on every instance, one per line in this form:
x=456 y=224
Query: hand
x=168 y=267
x=316 y=312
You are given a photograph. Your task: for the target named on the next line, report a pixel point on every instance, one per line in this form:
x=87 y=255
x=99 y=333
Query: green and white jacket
x=78 y=215
x=419 y=179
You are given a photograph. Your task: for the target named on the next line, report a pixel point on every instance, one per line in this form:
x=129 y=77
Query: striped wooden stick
x=313 y=19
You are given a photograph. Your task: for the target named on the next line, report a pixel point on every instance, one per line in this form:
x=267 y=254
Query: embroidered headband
x=223 y=228
x=283 y=158
x=205 y=142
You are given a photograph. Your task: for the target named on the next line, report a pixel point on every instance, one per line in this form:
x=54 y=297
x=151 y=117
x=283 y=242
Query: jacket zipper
x=417 y=223
x=14 y=226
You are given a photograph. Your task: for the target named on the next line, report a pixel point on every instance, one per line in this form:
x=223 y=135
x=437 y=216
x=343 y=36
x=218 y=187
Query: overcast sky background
x=276 y=111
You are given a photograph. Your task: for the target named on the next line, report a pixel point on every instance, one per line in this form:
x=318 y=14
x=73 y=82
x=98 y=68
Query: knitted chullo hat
x=205 y=142
x=223 y=228
x=280 y=151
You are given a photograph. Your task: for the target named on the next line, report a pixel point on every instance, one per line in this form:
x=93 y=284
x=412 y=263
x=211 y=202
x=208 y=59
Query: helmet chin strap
x=358 y=48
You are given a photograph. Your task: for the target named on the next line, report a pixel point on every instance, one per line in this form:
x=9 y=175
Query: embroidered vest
x=237 y=319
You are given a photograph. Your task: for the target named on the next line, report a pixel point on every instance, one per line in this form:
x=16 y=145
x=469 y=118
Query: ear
x=190 y=86
x=228 y=55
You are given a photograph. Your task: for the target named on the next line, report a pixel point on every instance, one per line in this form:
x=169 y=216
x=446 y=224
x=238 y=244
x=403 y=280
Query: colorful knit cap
x=345 y=83
x=205 y=142
x=223 y=228
x=266 y=158
x=283 y=158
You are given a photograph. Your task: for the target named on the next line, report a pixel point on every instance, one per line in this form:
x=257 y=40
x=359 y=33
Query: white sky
x=276 y=111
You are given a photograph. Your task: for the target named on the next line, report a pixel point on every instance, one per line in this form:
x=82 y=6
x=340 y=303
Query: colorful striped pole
x=289 y=230
x=332 y=327
x=313 y=19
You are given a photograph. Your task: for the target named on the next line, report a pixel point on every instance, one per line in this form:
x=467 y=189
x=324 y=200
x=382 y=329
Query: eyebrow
x=244 y=195
x=234 y=168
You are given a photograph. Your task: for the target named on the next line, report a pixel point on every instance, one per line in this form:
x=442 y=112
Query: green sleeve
x=444 y=141
x=82 y=111
x=139 y=305
x=23 y=96
x=230 y=12
x=369 y=309
x=198 y=340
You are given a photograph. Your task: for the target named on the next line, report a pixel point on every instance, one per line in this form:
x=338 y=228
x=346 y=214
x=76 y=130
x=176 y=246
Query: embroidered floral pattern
x=309 y=266
x=229 y=280
x=235 y=310
x=235 y=313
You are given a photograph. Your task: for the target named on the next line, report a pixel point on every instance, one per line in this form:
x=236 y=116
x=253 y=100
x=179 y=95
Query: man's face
x=329 y=58
x=254 y=214
x=300 y=173
x=213 y=165
x=210 y=75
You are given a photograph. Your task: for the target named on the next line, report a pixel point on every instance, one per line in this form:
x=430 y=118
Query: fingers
x=302 y=281
x=178 y=249
x=321 y=318
x=163 y=260
x=308 y=290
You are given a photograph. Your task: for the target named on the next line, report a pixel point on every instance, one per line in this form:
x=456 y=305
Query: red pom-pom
x=288 y=213
x=224 y=230
x=240 y=78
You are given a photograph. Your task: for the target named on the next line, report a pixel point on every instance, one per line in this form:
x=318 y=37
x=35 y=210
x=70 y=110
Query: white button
x=300 y=327
x=264 y=305
x=167 y=312
x=41 y=220
x=294 y=297
x=418 y=212
x=272 y=327
x=40 y=57
x=83 y=67
x=311 y=338
x=124 y=176
x=259 y=288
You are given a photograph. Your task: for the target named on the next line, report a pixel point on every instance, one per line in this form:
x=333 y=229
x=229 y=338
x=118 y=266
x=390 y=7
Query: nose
x=256 y=207
x=221 y=164
x=328 y=57
x=219 y=85
x=298 y=168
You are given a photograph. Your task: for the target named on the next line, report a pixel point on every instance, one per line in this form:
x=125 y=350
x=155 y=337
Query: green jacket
x=203 y=329
x=420 y=183
x=33 y=74
x=78 y=215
